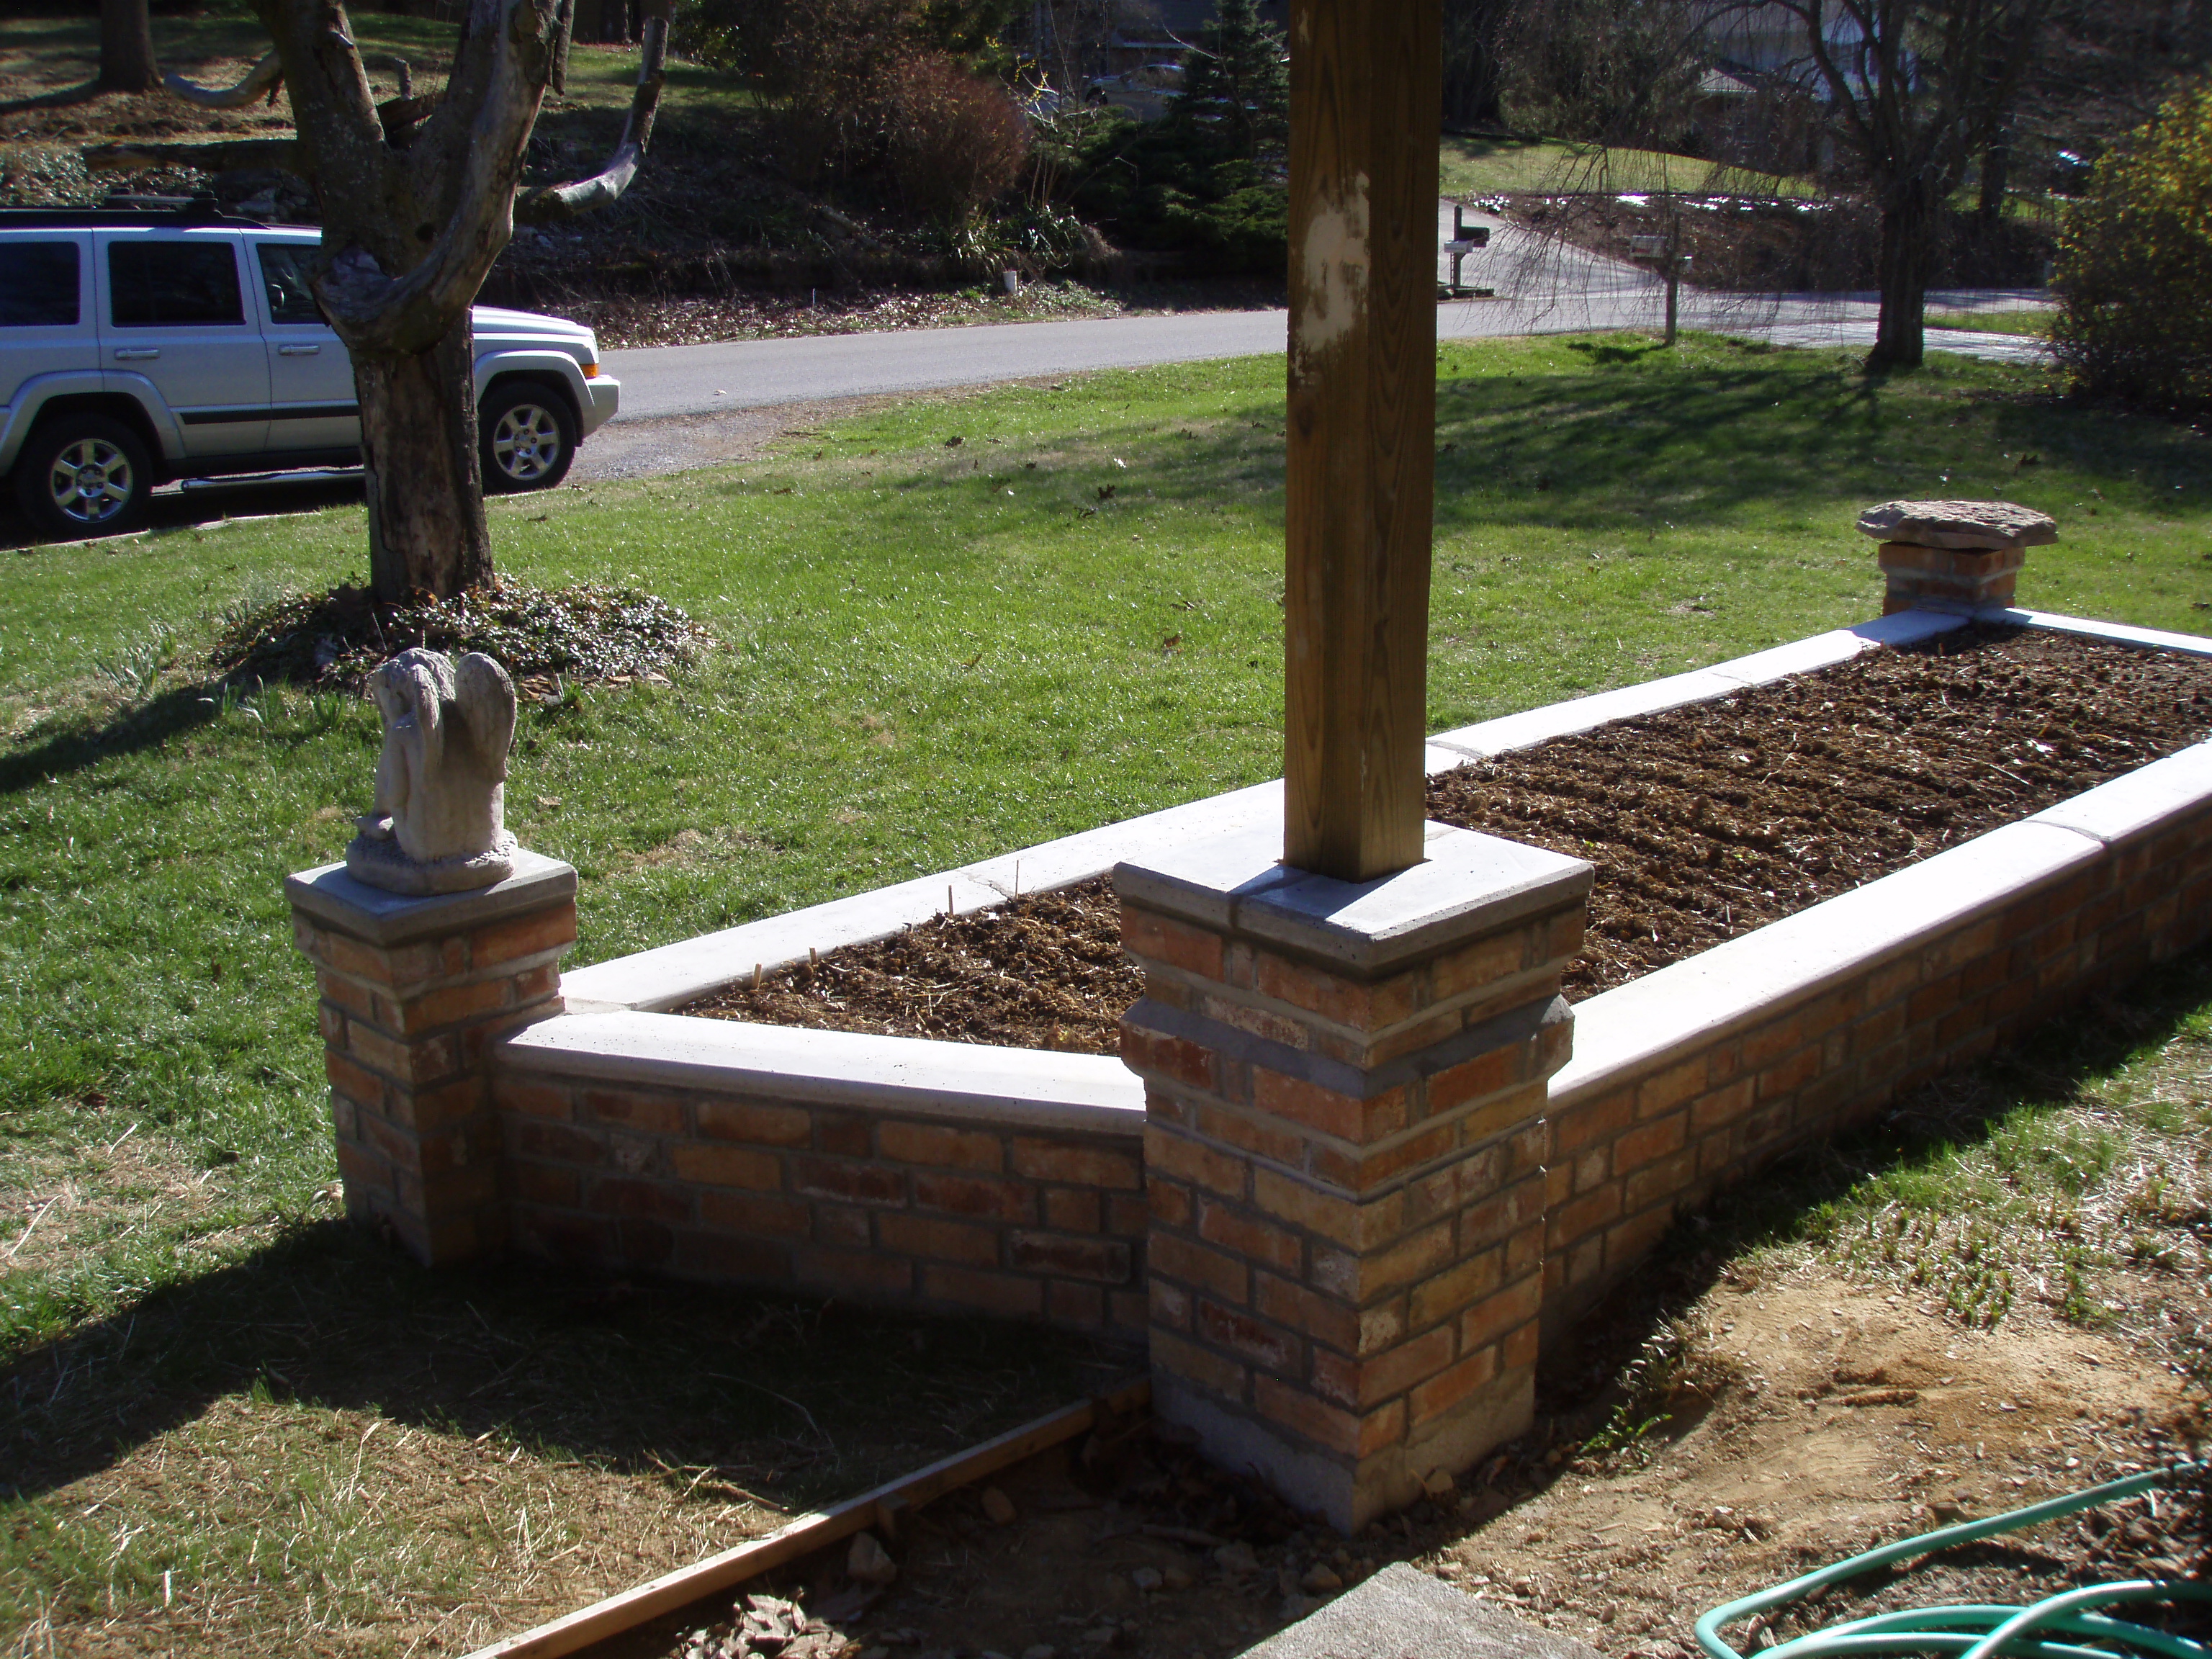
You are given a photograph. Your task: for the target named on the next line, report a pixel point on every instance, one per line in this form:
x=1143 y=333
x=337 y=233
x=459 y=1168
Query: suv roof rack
x=123 y=210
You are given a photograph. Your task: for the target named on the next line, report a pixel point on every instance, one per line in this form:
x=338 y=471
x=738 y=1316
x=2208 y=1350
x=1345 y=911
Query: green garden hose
x=2063 y=1626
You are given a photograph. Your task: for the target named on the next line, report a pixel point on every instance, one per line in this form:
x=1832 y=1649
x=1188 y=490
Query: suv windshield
x=284 y=268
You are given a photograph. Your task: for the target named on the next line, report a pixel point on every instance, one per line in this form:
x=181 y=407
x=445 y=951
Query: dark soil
x=1704 y=823
x=586 y=633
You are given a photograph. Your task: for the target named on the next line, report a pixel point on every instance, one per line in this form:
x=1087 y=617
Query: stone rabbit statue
x=439 y=822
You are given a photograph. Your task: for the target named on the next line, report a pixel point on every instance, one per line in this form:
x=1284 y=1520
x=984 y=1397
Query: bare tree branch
x=263 y=79
x=548 y=203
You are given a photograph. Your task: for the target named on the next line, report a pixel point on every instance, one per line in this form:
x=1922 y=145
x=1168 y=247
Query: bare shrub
x=956 y=141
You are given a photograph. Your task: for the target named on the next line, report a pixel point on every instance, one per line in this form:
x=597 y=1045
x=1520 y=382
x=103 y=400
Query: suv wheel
x=83 y=475
x=527 y=435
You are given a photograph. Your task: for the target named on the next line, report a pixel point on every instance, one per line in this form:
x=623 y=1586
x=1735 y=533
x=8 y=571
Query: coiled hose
x=2063 y=1626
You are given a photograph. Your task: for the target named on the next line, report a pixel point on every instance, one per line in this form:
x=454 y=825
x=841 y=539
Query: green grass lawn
x=928 y=653
x=2034 y=321
x=1492 y=167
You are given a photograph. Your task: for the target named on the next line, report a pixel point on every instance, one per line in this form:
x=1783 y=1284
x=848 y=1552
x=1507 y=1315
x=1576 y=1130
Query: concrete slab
x=2140 y=802
x=2155 y=639
x=1402 y=1613
x=330 y=895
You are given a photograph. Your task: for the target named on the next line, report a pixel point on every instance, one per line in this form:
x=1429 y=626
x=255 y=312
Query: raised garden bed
x=1705 y=821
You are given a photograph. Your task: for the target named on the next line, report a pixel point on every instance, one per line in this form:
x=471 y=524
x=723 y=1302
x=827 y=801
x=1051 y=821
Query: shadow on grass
x=60 y=98
x=798 y=1401
x=1578 y=1386
x=138 y=727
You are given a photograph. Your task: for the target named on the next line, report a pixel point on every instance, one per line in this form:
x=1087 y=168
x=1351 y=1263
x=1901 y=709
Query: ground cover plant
x=944 y=629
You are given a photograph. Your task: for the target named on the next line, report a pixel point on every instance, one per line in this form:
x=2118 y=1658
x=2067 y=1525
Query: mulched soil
x=1704 y=822
x=587 y=633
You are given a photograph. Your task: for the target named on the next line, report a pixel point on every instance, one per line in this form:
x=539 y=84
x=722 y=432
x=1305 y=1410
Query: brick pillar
x=1345 y=1089
x=1955 y=579
x=415 y=991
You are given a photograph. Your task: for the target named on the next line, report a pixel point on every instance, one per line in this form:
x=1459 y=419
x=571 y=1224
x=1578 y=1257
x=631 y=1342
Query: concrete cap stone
x=1469 y=884
x=1402 y=1613
x=335 y=898
x=1983 y=525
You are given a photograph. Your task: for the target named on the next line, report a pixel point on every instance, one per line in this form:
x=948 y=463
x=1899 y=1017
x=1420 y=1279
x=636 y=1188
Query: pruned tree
x=126 y=47
x=419 y=195
x=1917 y=91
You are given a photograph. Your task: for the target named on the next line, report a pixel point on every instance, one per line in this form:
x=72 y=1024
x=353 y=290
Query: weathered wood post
x=1346 y=1032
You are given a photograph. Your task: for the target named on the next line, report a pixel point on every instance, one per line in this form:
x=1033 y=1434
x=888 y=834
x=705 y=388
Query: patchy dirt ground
x=1814 y=1417
x=1704 y=822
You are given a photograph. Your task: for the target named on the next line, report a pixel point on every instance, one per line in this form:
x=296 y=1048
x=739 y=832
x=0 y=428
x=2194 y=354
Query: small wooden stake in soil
x=1365 y=101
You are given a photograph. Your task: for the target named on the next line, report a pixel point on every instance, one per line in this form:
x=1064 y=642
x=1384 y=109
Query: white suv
x=137 y=347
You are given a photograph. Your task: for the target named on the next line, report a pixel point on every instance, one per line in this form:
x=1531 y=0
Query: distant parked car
x=138 y=346
x=1146 y=92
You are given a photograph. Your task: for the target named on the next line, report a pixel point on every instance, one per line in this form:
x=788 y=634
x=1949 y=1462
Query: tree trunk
x=1996 y=164
x=126 y=47
x=418 y=431
x=1908 y=237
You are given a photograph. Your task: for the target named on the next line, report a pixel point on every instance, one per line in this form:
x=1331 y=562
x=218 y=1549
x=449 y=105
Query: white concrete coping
x=1029 y=1088
x=1640 y=1027
x=1469 y=884
x=330 y=895
x=1723 y=679
x=2154 y=639
x=2137 y=802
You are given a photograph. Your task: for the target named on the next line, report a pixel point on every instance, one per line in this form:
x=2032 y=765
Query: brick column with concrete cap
x=1959 y=556
x=415 y=991
x=1345 y=1088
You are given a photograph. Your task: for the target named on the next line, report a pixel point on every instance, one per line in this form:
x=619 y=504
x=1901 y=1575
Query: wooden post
x=1365 y=110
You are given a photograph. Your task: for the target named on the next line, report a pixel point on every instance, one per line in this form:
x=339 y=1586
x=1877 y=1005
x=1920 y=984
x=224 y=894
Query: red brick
x=991 y=1292
x=1128 y=1215
x=1072 y=1210
x=727 y=1166
x=1412 y=1260
x=566 y=1237
x=552 y=929
x=841 y=1134
x=349 y=997
x=1499 y=1312
x=363 y=1168
x=532 y=1138
x=622 y=1195
x=1793 y=1072
x=1149 y=935
x=861 y=1183
x=647 y=1113
x=1261 y=1137
x=942 y=1240
x=1601 y=1121
x=1168 y=1202
x=1266 y=1024
x=1226 y=1276
x=755 y=1214
x=765 y=1126
x=1194 y=1162
x=1471 y=1080
x=358 y=1084
x=1669 y=1178
x=1169 y=1304
x=1187 y=1360
x=1364 y=1006
x=1671 y=1087
x=1105 y=1260
x=1371 y=1170
x=1519 y=1350
x=541 y=1183
x=1247 y=1236
x=1295 y=1307
x=1632 y=1240
x=1269 y=1349
x=1438 y=1298
x=1500 y=956
x=1153 y=1054
x=1450 y=1389
x=440 y=1106
x=449 y=1004
x=1361 y=1383
x=1647 y=1141
x=934 y=1143
x=976 y=1195
x=1077 y=1164
x=842 y=1224
x=1300 y=1411
x=1299 y=1203
x=514 y=1094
